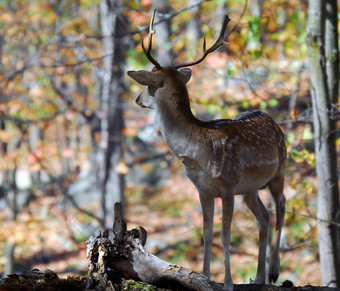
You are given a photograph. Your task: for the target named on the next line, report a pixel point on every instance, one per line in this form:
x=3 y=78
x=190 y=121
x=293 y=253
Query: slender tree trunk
x=13 y=213
x=193 y=28
x=9 y=247
x=114 y=29
x=164 y=49
x=332 y=69
x=322 y=78
x=332 y=50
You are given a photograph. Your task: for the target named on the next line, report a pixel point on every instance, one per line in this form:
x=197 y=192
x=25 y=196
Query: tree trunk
x=114 y=29
x=332 y=69
x=164 y=49
x=193 y=28
x=13 y=213
x=324 y=125
x=332 y=50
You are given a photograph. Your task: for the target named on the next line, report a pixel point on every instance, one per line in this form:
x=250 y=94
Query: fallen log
x=125 y=254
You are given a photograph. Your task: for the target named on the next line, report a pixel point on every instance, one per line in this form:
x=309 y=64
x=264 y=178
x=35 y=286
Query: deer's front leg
x=227 y=215
x=208 y=224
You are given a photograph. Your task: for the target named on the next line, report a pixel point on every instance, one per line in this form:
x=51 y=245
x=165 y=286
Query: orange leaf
x=122 y=168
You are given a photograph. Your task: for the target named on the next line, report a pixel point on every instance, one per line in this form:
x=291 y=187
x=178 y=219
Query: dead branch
x=125 y=254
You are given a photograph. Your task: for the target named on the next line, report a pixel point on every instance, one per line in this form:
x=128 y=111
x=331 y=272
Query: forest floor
x=172 y=218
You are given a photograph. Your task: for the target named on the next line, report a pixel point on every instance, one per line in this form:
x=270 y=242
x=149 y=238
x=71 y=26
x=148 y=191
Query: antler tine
x=147 y=52
x=204 y=45
x=220 y=41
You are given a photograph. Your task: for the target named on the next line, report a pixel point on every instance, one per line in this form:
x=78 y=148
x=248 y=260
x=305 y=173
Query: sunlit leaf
x=307 y=134
x=273 y=102
x=290 y=138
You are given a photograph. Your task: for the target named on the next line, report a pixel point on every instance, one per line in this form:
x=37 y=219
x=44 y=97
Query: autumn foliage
x=51 y=58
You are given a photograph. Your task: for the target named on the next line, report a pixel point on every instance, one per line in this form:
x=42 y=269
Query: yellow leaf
x=147 y=168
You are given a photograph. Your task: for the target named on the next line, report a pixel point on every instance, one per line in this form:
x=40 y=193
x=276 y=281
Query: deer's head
x=159 y=81
x=168 y=81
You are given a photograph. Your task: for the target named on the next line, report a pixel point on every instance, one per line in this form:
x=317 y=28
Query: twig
x=314 y=217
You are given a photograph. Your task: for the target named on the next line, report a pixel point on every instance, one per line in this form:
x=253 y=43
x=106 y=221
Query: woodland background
x=73 y=141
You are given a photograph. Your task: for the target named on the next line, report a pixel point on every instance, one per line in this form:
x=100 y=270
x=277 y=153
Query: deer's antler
x=147 y=52
x=220 y=41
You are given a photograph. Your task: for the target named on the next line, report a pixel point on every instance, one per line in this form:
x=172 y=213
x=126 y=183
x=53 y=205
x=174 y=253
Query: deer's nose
x=139 y=102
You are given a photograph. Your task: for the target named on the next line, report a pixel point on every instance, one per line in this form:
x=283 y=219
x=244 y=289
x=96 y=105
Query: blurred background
x=73 y=141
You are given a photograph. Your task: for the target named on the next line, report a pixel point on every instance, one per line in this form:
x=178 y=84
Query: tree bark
x=114 y=28
x=332 y=49
x=332 y=70
x=324 y=127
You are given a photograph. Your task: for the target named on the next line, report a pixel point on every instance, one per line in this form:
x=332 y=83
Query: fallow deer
x=221 y=157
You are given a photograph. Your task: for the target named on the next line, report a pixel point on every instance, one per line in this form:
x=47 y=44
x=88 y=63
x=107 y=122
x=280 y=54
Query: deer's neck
x=178 y=124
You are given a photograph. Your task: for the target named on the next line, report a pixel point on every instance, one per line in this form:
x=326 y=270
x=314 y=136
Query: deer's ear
x=147 y=78
x=185 y=75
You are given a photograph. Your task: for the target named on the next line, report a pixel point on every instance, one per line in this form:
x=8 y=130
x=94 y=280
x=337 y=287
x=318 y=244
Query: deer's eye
x=152 y=90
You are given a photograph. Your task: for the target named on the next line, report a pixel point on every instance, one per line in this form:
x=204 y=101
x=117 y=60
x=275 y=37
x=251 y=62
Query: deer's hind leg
x=262 y=216
x=276 y=186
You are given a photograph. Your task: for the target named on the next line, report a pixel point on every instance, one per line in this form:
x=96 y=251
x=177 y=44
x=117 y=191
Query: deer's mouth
x=140 y=103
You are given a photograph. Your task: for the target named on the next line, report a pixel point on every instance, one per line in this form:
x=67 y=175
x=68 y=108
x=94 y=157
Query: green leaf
x=307 y=134
x=213 y=109
x=230 y=72
x=302 y=38
x=290 y=138
x=254 y=26
x=273 y=102
x=245 y=104
x=263 y=105
x=274 y=36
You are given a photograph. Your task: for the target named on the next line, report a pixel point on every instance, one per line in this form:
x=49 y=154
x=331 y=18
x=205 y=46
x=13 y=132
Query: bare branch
x=83 y=111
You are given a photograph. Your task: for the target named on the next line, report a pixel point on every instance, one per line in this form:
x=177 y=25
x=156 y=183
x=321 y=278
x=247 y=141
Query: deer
x=222 y=158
